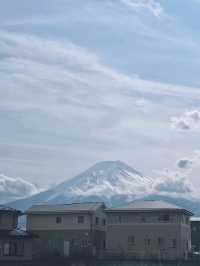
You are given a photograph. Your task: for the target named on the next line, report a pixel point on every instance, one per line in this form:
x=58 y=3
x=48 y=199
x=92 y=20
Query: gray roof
x=66 y=208
x=148 y=205
x=4 y=208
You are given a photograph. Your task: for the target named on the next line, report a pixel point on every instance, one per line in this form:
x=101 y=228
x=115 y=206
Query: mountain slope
x=109 y=181
x=113 y=182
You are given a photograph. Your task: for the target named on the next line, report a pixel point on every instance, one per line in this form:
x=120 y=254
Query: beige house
x=68 y=229
x=149 y=229
x=15 y=244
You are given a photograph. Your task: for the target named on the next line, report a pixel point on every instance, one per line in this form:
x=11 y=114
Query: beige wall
x=52 y=235
x=68 y=221
x=8 y=221
x=48 y=222
x=133 y=225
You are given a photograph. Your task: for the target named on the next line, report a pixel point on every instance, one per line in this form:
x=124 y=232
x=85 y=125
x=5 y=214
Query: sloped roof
x=148 y=205
x=4 y=208
x=65 y=208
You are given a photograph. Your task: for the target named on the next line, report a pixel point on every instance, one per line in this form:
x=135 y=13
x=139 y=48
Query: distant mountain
x=15 y=188
x=113 y=182
x=109 y=181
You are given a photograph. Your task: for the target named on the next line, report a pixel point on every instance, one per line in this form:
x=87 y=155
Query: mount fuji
x=113 y=182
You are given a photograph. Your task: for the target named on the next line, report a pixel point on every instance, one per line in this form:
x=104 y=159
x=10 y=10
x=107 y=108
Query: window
x=58 y=219
x=164 y=217
x=104 y=222
x=119 y=219
x=80 y=219
x=6 y=249
x=84 y=243
x=131 y=240
x=143 y=219
x=104 y=244
x=147 y=242
x=174 y=243
x=194 y=229
x=97 y=220
x=160 y=241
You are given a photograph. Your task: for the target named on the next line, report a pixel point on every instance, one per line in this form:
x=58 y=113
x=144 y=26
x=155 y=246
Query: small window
x=58 y=219
x=104 y=244
x=97 y=220
x=160 y=241
x=194 y=229
x=80 y=219
x=143 y=219
x=164 y=217
x=147 y=242
x=119 y=219
x=104 y=222
x=174 y=243
x=131 y=240
x=6 y=249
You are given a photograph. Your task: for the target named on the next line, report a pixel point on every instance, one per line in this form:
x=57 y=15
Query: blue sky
x=83 y=81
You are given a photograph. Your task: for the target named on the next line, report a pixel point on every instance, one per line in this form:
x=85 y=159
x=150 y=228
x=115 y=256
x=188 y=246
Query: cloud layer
x=15 y=188
x=152 y=5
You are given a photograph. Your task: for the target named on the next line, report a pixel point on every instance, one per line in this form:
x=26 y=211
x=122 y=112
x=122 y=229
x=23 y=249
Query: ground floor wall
x=150 y=241
x=15 y=249
x=68 y=242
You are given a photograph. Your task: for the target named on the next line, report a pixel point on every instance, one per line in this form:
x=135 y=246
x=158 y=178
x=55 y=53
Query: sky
x=86 y=81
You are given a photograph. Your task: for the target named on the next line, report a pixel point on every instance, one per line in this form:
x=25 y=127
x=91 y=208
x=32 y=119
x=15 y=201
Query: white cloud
x=152 y=5
x=190 y=120
x=15 y=188
x=174 y=183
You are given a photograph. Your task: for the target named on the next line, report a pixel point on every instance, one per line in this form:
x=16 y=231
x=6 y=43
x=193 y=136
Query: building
x=149 y=229
x=68 y=229
x=195 y=233
x=15 y=244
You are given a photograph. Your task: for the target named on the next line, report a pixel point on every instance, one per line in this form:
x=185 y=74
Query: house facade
x=195 y=233
x=15 y=244
x=149 y=229
x=68 y=229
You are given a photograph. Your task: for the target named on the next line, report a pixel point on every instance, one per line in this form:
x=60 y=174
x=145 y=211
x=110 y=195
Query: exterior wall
x=8 y=220
x=48 y=222
x=22 y=250
x=53 y=241
x=87 y=236
x=144 y=235
x=195 y=235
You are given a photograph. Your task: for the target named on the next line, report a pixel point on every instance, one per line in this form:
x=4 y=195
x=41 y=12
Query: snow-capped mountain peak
x=113 y=182
x=105 y=179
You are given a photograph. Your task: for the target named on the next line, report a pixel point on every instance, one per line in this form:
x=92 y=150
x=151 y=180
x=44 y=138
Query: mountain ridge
x=113 y=182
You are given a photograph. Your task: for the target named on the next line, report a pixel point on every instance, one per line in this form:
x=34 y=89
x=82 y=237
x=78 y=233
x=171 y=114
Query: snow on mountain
x=115 y=183
x=107 y=179
x=15 y=188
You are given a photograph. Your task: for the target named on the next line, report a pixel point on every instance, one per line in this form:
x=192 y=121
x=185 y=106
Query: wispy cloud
x=152 y=5
x=55 y=93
